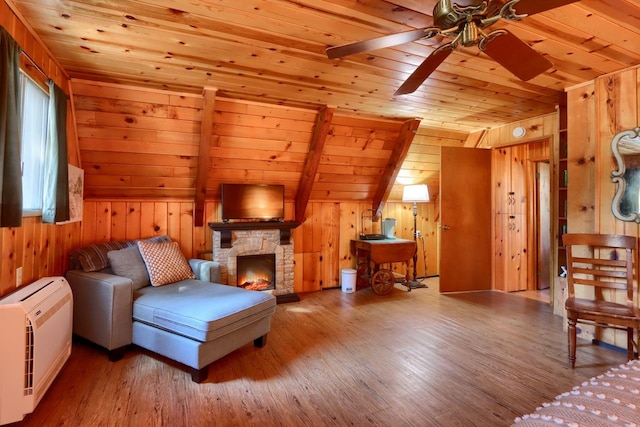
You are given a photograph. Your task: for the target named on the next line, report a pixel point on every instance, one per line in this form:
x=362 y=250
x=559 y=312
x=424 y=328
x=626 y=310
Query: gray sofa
x=192 y=320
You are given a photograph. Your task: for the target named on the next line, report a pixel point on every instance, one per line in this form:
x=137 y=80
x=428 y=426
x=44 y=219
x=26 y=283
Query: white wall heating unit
x=35 y=342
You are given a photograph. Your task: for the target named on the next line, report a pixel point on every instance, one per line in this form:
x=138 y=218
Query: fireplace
x=232 y=241
x=256 y=272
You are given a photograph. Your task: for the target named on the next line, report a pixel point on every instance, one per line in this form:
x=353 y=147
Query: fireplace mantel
x=225 y=229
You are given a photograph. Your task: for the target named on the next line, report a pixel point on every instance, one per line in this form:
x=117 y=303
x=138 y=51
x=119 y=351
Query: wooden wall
x=143 y=143
x=537 y=129
x=597 y=112
x=321 y=243
x=139 y=150
x=40 y=249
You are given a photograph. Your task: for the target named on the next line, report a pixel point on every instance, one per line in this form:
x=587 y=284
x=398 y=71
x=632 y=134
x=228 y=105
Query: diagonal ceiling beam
x=320 y=132
x=474 y=139
x=400 y=150
x=204 y=156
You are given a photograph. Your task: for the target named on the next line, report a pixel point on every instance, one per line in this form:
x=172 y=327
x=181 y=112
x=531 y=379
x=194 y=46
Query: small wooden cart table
x=370 y=254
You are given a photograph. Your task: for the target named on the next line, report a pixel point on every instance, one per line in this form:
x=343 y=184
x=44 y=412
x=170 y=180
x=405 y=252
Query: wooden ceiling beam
x=204 y=157
x=320 y=132
x=474 y=139
x=400 y=150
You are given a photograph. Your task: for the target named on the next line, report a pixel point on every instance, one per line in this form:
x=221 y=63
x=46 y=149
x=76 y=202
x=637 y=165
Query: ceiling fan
x=465 y=22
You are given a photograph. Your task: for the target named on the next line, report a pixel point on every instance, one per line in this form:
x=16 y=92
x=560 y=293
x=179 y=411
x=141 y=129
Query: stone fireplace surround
x=231 y=240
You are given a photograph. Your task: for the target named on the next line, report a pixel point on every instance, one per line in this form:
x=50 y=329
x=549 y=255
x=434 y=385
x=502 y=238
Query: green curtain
x=10 y=128
x=55 y=207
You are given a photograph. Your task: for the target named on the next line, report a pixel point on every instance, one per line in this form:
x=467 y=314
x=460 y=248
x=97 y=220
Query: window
x=34 y=113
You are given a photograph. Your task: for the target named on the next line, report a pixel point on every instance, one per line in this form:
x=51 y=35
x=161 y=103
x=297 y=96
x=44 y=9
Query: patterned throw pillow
x=165 y=263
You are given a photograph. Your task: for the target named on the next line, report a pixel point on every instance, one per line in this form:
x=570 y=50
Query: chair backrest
x=605 y=261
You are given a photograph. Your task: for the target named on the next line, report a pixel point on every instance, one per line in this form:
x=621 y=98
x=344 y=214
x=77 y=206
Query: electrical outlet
x=418 y=233
x=18 y=276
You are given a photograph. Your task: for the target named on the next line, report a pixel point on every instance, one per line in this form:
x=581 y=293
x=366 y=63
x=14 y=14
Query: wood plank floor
x=333 y=359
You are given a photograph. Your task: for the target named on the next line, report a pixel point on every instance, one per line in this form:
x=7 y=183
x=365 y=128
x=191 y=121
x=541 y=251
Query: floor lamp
x=415 y=194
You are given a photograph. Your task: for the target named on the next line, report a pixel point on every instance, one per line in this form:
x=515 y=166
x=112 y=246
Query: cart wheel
x=382 y=282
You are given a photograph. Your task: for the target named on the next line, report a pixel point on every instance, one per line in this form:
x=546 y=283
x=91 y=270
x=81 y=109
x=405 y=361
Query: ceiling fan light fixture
x=448 y=14
x=464 y=21
x=469 y=34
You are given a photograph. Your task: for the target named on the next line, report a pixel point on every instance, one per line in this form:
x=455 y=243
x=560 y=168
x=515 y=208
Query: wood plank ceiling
x=273 y=51
x=159 y=85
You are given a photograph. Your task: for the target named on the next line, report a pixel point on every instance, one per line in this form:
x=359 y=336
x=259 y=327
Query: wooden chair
x=601 y=261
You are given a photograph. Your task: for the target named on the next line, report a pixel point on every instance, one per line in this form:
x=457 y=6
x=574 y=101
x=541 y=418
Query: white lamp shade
x=415 y=193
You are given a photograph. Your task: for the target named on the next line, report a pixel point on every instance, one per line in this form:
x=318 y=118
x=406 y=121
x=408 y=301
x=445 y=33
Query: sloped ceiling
x=173 y=98
x=273 y=51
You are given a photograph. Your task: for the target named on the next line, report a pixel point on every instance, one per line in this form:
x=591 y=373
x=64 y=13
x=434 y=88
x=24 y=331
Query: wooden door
x=501 y=251
x=510 y=256
x=517 y=262
x=510 y=260
x=501 y=177
x=465 y=219
x=503 y=204
x=517 y=178
x=517 y=258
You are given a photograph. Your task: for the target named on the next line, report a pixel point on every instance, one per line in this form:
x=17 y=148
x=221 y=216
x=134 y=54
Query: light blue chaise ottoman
x=193 y=320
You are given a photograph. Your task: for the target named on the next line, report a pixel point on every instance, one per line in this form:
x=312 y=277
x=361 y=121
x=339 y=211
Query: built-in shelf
x=225 y=229
x=563 y=187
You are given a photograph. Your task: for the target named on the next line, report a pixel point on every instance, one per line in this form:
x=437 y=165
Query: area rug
x=610 y=399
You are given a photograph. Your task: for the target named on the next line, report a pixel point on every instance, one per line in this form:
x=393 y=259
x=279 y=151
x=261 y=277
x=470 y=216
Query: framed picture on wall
x=76 y=193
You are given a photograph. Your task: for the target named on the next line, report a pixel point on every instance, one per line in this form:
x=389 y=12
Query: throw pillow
x=128 y=263
x=94 y=257
x=165 y=263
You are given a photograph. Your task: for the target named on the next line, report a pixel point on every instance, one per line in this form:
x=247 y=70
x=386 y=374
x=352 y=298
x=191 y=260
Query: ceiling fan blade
x=380 y=42
x=514 y=54
x=530 y=7
x=425 y=69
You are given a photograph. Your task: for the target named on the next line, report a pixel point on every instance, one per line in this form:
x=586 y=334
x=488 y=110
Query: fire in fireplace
x=256 y=272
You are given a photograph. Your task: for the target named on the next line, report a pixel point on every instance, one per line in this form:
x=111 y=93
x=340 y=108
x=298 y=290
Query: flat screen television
x=252 y=202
